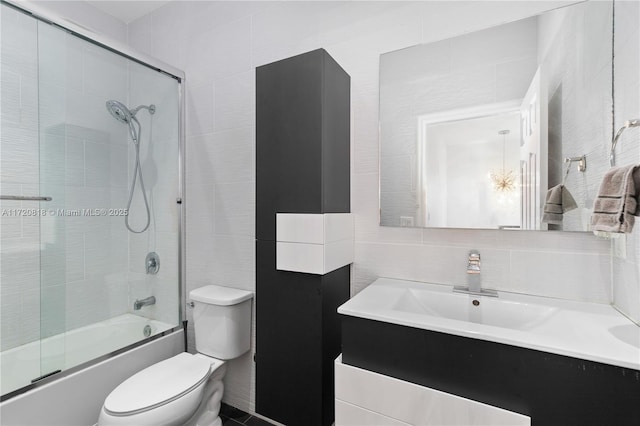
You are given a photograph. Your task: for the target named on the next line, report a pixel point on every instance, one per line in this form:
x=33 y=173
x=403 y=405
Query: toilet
x=187 y=389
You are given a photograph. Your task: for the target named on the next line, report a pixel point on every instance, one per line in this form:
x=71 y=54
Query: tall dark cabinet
x=302 y=166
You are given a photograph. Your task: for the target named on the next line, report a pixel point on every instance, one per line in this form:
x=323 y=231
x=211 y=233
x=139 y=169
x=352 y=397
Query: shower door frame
x=42 y=15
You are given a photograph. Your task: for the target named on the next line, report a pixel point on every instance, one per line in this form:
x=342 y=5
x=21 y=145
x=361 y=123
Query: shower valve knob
x=152 y=263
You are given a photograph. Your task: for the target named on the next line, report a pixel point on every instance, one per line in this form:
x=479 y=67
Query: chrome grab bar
x=24 y=198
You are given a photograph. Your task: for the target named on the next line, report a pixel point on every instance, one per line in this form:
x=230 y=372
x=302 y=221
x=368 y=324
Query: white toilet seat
x=157 y=385
x=171 y=387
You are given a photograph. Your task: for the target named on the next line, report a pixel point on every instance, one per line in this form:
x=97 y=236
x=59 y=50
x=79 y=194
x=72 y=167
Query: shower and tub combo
x=128 y=116
x=85 y=303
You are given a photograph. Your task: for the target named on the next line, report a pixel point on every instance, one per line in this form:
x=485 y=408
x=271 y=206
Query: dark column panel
x=335 y=138
x=288 y=342
x=288 y=140
x=302 y=166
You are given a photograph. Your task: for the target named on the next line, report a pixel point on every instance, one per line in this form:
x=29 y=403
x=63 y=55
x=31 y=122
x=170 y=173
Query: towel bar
x=24 y=198
x=582 y=165
x=627 y=124
x=582 y=162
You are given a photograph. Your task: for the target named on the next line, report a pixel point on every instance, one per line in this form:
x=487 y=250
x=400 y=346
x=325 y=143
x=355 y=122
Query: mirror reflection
x=475 y=130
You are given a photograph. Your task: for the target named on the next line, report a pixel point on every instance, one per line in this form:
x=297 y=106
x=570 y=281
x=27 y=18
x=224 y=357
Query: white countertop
x=590 y=331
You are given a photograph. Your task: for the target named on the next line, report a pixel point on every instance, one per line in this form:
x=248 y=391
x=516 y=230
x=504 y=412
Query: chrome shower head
x=119 y=111
x=125 y=115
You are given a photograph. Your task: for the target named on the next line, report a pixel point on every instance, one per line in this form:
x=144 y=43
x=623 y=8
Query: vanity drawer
x=375 y=397
x=352 y=415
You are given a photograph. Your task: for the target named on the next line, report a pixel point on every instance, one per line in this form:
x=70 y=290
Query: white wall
x=220 y=44
x=83 y=13
x=159 y=161
x=626 y=271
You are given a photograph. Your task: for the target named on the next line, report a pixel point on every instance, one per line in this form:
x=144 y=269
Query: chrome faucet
x=139 y=303
x=474 y=282
x=473 y=272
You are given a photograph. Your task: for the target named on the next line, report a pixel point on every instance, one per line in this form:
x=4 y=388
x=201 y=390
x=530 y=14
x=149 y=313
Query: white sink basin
x=486 y=310
x=583 y=330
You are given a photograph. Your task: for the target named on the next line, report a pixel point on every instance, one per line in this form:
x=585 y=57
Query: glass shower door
x=92 y=137
x=19 y=219
x=57 y=76
x=113 y=180
x=75 y=284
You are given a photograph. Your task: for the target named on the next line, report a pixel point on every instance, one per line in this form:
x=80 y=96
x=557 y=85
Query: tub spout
x=139 y=303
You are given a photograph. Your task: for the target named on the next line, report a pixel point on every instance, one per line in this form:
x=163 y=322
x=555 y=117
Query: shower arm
x=136 y=134
x=151 y=108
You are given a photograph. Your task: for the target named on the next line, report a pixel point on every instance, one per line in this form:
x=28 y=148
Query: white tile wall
x=225 y=41
x=626 y=272
x=158 y=158
x=86 y=15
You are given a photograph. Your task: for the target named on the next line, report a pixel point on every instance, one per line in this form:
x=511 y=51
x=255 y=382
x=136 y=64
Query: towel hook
x=582 y=165
x=627 y=124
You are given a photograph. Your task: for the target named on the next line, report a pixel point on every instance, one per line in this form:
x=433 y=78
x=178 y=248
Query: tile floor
x=232 y=416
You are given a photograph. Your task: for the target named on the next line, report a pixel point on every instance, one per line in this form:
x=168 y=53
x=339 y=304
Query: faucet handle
x=473 y=263
x=152 y=263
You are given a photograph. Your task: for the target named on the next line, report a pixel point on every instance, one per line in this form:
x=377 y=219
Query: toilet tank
x=222 y=321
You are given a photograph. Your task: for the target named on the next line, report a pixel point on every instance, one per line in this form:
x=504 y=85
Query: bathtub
x=89 y=385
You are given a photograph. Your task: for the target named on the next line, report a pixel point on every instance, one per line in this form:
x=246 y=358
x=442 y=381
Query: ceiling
x=127 y=11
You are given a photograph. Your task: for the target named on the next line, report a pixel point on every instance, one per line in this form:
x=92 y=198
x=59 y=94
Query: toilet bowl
x=187 y=389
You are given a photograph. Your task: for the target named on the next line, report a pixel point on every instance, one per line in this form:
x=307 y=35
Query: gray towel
x=617 y=200
x=559 y=201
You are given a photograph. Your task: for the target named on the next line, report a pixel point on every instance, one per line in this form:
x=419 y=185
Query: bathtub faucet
x=139 y=303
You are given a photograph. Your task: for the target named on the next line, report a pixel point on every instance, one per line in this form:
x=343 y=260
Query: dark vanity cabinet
x=302 y=166
x=551 y=389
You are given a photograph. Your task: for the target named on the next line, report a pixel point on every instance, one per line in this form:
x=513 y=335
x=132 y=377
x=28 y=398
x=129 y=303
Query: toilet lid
x=158 y=384
x=221 y=296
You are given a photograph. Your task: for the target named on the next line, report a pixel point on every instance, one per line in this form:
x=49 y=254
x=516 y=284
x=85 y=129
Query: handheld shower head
x=119 y=111
x=125 y=115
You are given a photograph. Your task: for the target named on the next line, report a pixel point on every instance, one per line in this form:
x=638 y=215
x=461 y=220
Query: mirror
x=474 y=130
